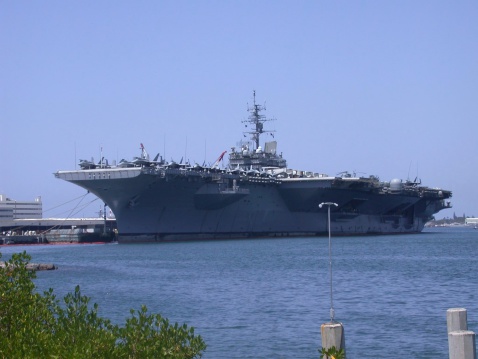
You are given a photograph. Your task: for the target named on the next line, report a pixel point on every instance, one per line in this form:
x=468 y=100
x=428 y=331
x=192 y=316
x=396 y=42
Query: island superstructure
x=256 y=195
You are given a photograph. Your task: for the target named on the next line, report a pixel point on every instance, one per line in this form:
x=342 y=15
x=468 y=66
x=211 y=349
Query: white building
x=471 y=221
x=12 y=209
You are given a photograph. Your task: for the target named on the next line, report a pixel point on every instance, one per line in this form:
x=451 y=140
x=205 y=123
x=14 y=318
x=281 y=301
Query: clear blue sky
x=388 y=88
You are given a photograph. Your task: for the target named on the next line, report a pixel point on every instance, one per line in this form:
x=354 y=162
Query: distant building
x=12 y=209
x=471 y=221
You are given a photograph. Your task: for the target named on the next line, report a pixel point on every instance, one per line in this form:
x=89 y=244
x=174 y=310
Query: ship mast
x=257 y=120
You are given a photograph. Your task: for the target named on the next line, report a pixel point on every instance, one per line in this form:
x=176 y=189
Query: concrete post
x=333 y=335
x=461 y=341
x=461 y=344
x=456 y=319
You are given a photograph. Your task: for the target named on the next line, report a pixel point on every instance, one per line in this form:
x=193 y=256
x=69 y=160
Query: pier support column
x=332 y=335
x=461 y=341
x=461 y=344
x=456 y=319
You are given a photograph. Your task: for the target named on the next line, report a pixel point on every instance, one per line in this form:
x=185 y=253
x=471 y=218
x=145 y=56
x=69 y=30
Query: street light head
x=328 y=204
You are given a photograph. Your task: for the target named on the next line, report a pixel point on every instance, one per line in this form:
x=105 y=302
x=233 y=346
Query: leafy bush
x=332 y=353
x=39 y=326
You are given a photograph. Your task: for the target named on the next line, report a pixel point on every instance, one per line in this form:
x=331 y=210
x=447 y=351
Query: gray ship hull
x=157 y=204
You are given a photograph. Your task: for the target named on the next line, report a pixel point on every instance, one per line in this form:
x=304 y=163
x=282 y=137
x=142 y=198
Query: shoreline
x=34 y=266
x=50 y=244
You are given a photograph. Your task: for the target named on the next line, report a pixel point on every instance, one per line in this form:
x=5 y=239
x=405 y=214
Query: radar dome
x=396 y=185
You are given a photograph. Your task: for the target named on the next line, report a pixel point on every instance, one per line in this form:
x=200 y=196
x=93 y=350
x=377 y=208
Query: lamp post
x=328 y=204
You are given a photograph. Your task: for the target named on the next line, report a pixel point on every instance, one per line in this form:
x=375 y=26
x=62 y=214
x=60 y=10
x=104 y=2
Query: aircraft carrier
x=255 y=195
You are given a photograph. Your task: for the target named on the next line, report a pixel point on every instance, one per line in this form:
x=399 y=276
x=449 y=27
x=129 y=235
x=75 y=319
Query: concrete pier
x=333 y=335
x=461 y=344
x=461 y=341
x=456 y=319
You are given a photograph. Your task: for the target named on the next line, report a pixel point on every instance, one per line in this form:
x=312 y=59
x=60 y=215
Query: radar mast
x=256 y=158
x=256 y=119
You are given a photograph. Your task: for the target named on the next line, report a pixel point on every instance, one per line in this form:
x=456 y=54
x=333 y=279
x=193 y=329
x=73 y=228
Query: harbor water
x=266 y=298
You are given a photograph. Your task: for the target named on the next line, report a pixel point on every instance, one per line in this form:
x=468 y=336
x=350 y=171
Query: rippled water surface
x=267 y=298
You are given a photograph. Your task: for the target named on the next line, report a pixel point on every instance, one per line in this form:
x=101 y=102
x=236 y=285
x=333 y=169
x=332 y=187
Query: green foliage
x=80 y=332
x=38 y=326
x=332 y=353
x=24 y=314
x=151 y=336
